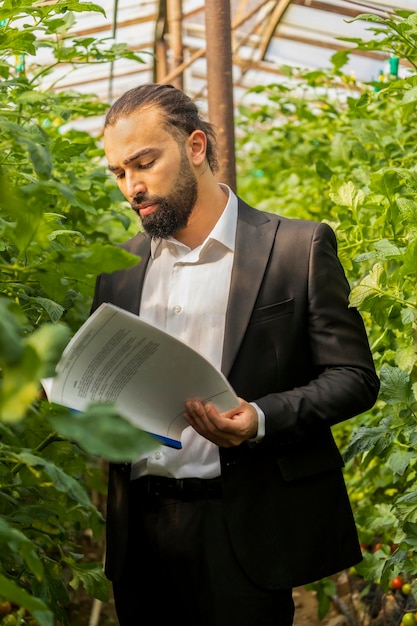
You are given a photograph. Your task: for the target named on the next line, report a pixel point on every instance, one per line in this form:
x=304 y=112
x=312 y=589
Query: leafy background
x=323 y=147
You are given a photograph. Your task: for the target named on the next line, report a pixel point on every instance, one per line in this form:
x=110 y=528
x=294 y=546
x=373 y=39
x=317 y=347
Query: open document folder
x=147 y=373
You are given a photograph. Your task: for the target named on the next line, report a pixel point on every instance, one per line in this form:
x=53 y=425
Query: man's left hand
x=224 y=429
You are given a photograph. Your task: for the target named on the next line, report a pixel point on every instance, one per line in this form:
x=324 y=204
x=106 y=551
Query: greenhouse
x=314 y=107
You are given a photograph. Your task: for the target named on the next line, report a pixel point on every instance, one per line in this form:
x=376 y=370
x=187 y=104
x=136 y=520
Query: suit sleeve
x=342 y=382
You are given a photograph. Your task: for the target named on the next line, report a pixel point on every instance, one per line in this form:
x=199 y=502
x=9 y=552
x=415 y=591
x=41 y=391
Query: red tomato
x=396 y=583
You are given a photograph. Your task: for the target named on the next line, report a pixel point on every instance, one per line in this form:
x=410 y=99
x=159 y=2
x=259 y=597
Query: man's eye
x=145 y=166
x=119 y=175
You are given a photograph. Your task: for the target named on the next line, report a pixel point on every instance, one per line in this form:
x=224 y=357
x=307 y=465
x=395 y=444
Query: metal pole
x=220 y=85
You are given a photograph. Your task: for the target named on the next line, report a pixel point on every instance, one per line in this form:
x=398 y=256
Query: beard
x=173 y=209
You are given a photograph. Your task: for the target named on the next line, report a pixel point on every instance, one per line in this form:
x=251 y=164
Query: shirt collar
x=224 y=231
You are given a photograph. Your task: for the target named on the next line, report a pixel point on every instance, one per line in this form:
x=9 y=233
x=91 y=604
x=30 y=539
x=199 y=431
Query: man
x=219 y=532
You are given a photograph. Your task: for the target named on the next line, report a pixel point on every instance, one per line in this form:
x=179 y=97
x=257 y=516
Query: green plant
x=325 y=590
x=60 y=215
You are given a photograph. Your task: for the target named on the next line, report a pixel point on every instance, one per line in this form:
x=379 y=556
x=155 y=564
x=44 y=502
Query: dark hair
x=181 y=115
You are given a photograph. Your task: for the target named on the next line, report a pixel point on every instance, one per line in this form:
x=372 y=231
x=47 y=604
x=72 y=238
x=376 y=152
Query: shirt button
x=157 y=455
x=177 y=309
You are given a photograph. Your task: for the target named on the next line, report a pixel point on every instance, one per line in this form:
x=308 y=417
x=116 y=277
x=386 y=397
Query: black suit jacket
x=293 y=345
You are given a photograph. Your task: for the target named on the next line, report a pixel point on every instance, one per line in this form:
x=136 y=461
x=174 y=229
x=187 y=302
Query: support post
x=220 y=85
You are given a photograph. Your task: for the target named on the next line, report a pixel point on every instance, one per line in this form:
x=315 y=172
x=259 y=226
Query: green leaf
x=20 y=386
x=395 y=385
x=408 y=210
x=92 y=577
x=75 y=5
x=41 y=159
x=95 y=259
x=19 y=543
x=387 y=250
x=22 y=42
x=340 y=58
x=324 y=589
x=364 y=100
x=60 y=480
x=372 y=565
x=323 y=170
x=347 y=195
x=35 y=606
x=11 y=346
x=54 y=310
x=399 y=460
x=410 y=497
x=49 y=342
x=102 y=432
x=406 y=357
x=369 y=288
x=366 y=438
x=410 y=96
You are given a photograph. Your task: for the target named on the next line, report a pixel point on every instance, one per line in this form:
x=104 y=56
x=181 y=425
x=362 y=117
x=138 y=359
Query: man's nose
x=134 y=185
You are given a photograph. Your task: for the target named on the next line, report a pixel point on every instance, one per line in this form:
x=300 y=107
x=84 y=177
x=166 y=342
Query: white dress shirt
x=186 y=293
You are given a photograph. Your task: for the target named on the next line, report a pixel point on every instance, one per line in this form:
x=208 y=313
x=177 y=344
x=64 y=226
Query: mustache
x=139 y=201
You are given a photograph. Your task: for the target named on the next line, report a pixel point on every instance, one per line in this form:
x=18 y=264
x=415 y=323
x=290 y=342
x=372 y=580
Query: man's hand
x=224 y=429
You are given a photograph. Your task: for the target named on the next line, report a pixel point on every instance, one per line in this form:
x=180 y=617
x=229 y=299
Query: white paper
x=146 y=372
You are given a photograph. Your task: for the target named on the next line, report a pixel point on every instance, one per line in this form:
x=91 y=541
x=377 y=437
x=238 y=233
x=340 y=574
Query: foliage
x=325 y=590
x=60 y=215
x=329 y=148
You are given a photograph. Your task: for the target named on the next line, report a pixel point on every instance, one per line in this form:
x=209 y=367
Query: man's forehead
x=149 y=114
x=140 y=124
x=137 y=136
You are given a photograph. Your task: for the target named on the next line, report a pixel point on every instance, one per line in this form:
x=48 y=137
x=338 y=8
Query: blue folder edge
x=166 y=441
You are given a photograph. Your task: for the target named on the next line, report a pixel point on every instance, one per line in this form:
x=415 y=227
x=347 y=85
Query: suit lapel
x=129 y=287
x=255 y=236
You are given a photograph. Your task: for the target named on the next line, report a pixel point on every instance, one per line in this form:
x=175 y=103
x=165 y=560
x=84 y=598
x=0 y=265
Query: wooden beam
x=271 y=26
x=175 y=40
x=160 y=46
x=362 y=7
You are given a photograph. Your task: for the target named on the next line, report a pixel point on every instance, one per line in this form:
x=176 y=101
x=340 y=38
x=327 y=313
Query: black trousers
x=180 y=565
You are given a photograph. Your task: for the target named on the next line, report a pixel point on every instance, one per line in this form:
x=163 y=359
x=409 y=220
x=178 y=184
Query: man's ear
x=197 y=143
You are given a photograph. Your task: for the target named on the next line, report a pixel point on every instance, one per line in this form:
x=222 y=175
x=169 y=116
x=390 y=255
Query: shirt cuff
x=261 y=425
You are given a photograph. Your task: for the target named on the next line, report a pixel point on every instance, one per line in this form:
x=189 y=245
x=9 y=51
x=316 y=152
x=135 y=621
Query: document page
x=146 y=372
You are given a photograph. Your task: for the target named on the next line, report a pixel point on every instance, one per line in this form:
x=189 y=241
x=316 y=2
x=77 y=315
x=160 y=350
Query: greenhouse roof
x=265 y=36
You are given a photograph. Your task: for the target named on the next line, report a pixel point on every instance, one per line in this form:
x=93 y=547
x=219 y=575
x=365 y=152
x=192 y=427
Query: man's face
x=153 y=172
x=174 y=208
